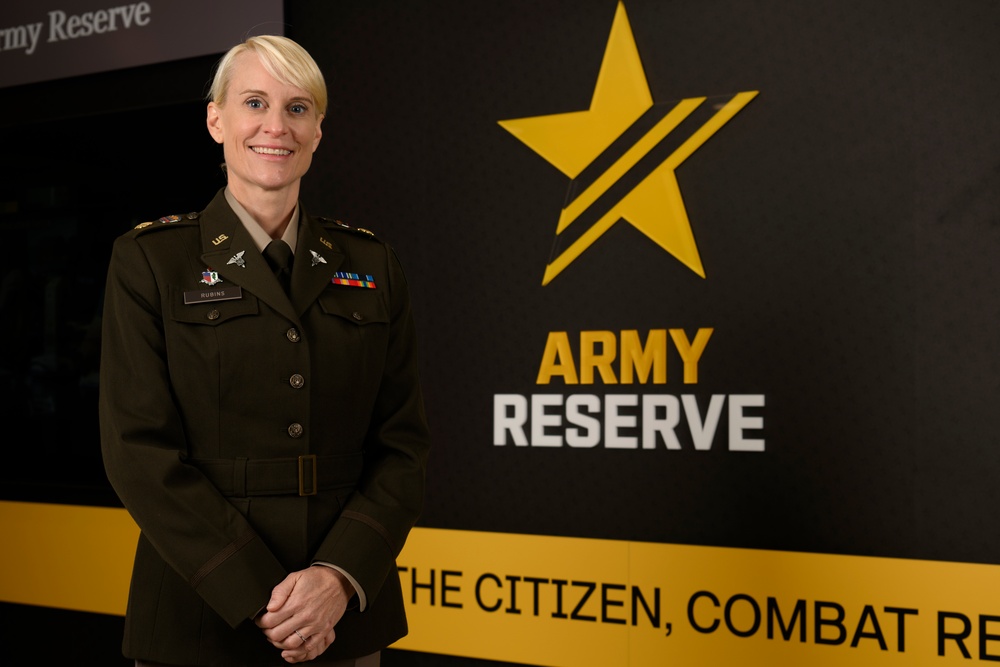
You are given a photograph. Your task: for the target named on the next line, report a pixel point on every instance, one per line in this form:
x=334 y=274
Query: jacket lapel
x=230 y=251
x=316 y=259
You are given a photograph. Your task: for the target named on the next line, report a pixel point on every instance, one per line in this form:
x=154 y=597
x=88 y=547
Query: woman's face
x=268 y=130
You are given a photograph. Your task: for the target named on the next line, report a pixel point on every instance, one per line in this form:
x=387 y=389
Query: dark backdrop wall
x=847 y=220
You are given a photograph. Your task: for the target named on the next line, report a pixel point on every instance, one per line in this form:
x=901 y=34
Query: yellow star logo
x=621 y=154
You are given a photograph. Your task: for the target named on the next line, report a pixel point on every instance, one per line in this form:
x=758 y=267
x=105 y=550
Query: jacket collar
x=228 y=249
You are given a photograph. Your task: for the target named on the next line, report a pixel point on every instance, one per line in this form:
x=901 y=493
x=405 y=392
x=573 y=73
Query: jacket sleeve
x=371 y=530
x=192 y=526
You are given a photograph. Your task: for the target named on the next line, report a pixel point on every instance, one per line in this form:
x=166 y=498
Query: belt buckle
x=303 y=474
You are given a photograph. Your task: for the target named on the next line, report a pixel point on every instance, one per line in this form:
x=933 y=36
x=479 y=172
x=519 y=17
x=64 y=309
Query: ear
x=214 y=122
x=319 y=132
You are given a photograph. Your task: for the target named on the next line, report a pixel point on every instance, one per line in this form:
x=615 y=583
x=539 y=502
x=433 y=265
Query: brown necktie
x=279 y=257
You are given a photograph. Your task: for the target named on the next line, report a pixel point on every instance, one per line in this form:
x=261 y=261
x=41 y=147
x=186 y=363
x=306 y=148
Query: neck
x=272 y=209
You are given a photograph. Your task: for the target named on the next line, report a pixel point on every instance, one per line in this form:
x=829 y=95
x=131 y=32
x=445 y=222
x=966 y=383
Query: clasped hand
x=303 y=610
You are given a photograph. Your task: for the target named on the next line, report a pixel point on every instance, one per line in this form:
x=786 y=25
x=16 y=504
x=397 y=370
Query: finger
x=278 y=633
x=291 y=642
x=314 y=646
x=280 y=594
x=315 y=637
x=302 y=652
x=297 y=655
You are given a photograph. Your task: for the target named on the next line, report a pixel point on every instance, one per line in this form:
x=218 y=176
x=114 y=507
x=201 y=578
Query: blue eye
x=254 y=103
x=298 y=109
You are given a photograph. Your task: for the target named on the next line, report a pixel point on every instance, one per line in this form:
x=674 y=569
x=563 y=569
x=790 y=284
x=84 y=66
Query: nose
x=275 y=123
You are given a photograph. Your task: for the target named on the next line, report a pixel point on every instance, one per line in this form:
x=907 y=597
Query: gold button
x=297 y=381
x=295 y=430
x=213 y=314
x=356 y=315
x=293 y=335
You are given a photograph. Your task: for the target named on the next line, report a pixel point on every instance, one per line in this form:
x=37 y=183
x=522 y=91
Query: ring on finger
x=304 y=640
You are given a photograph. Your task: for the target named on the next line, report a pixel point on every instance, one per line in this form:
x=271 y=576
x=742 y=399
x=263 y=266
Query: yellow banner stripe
x=570 y=601
x=66 y=556
x=564 y=601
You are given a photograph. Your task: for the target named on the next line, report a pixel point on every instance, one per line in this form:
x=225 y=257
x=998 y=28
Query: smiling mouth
x=270 y=151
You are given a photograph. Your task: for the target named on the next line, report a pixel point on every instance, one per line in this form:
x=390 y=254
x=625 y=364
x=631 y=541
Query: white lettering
x=14 y=38
x=56 y=31
x=614 y=420
x=35 y=30
x=75 y=27
x=142 y=14
x=126 y=12
x=63 y=27
x=100 y=21
x=739 y=422
x=137 y=12
x=20 y=37
x=576 y=420
x=653 y=425
x=703 y=432
x=591 y=425
x=540 y=419
x=513 y=423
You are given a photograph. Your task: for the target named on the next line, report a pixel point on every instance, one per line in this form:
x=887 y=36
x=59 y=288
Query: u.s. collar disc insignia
x=210 y=277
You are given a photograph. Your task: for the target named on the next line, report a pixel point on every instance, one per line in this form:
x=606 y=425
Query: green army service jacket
x=250 y=433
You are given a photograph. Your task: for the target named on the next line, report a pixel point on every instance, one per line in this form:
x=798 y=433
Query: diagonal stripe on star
x=615 y=193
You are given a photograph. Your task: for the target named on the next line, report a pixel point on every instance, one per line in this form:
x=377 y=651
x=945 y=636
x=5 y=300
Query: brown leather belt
x=303 y=475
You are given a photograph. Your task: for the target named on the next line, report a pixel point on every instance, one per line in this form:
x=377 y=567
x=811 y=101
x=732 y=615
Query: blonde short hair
x=283 y=59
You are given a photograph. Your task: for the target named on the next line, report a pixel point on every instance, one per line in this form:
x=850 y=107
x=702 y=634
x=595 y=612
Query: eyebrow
x=254 y=91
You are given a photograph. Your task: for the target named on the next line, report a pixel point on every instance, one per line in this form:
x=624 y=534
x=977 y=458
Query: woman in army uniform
x=261 y=416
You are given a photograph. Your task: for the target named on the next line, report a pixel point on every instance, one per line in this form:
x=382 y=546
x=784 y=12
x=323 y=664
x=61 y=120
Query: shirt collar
x=257 y=233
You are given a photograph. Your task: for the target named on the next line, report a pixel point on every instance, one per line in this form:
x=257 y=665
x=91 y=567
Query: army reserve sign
x=42 y=41
x=621 y=155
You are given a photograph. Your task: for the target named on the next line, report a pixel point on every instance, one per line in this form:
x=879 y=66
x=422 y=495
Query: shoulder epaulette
x=168 y=219
x=338 y=224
